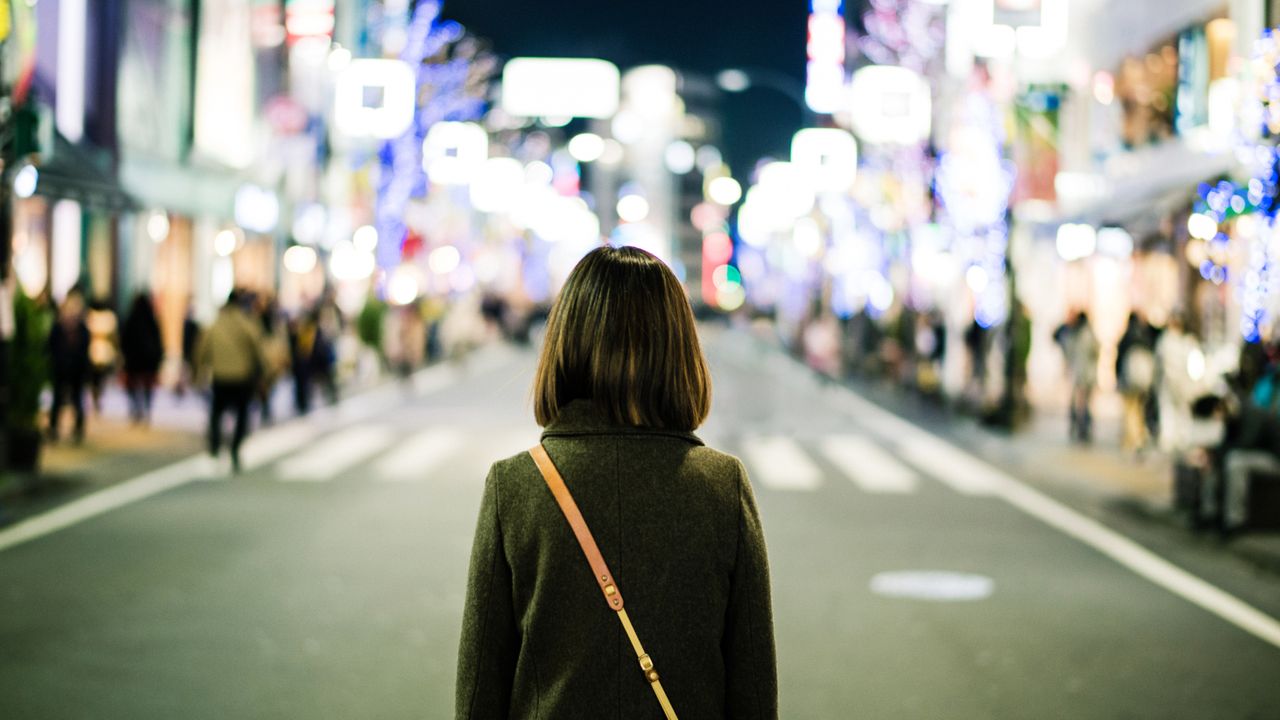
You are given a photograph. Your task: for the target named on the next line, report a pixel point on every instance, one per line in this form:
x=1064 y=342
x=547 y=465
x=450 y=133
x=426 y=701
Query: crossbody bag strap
x=604 y=579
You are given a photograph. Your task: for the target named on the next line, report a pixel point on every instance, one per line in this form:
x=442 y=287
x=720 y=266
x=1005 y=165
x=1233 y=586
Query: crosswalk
x=867 y=465
x=328 y=459
x=775 y=462
x=781 y=464
x=423 y=453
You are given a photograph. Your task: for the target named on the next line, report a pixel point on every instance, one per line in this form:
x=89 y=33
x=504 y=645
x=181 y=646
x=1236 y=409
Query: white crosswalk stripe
x=418 y=455
x=947 y=465
x=867 y=465
x=335 y=453
x=779 y=463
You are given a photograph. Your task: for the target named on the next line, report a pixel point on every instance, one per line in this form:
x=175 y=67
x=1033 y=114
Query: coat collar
x=581 y=417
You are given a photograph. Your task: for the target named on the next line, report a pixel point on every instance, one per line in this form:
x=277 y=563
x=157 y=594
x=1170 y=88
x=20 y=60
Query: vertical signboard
x=824 y=83
x=225 y=83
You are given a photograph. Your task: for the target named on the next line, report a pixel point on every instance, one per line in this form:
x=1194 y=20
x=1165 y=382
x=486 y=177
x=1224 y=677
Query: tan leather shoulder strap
x=604 y=578
x=564 y=499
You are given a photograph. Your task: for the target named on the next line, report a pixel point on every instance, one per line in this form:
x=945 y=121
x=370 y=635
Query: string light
x=973 y=183
x=453 y=89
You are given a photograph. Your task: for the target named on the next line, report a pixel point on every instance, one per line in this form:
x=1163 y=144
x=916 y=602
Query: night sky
x=693 y=35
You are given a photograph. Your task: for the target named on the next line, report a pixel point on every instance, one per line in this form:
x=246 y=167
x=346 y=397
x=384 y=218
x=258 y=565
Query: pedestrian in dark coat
x=69 y=362
x=143 y=353
x=620 y=387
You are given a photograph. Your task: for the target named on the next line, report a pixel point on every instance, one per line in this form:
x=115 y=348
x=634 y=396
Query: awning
x=83 y=174
x=1138 y=188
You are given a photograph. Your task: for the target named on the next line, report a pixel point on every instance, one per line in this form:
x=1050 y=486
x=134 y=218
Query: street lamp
x=739 y=80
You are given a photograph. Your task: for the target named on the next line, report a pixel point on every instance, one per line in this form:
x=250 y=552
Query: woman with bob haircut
x=621 y=384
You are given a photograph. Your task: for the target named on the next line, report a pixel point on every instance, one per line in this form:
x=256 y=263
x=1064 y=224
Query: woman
x=620 y=386
x=143 y=353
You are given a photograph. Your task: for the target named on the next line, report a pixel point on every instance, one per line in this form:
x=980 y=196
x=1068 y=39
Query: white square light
x=375 y=98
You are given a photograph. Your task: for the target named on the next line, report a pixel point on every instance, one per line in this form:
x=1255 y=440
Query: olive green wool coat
x=678 y=525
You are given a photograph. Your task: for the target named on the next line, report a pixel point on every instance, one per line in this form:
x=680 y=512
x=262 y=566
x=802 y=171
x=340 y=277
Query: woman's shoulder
x=716 y=462
x=698 y=460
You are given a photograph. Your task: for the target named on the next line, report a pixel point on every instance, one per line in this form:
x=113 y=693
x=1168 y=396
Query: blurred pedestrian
x=230 y=352
x=1080 y=350
x=190 y=344
x=275 y=349
x=1181 y=368
x=370 y=324
x=976 y=345
x=821 y=343
x=1252 y=448
x=1135 y=378
x=410 y=342
x=311 y=358
x=104 y=349
x=69 y=361
x=332 y=325
x=143 y=354
x=619 y=389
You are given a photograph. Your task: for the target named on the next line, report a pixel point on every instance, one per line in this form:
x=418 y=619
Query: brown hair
x=622 y=335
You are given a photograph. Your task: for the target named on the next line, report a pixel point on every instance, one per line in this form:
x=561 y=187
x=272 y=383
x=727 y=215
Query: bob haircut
x=622 y=335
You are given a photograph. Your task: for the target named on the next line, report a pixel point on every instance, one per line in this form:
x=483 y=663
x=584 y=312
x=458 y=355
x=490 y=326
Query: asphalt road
x=327 y=581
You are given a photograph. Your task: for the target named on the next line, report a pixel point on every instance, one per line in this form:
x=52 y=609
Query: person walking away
x=1135 y=376
x=143 y=354
x=619 y=389
x=68 y=348
x=231 y=353
x=104 y=349
x=304 y=343
x=331 y=325
x=412 y=340
x=190 y=344
x=275 y=348
x=1080 y=350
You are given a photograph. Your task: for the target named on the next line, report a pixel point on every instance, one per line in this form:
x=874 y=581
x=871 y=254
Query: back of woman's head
x=622 y=335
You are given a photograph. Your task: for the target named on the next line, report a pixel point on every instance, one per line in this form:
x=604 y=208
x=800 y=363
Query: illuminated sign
x=224 y=112
x=890 y=105
x=375 y=98
x=824 y=84
x=308 y=19
x=454 y=152
x=560 y=87
x=828 y=155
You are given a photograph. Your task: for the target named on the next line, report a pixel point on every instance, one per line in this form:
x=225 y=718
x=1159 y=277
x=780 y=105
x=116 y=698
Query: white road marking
x=867 y=465
x=335 y=453
x=259 y=449
x=779 y=463
x=943 y=461
x=139 y=488
x=1110 y=543
x=448 y=374
x=418 y=455
x=933 y=585
x=264 y=448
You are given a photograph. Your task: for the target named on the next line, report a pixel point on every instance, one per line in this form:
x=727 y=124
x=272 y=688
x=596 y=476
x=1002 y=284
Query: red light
x=717 y=249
